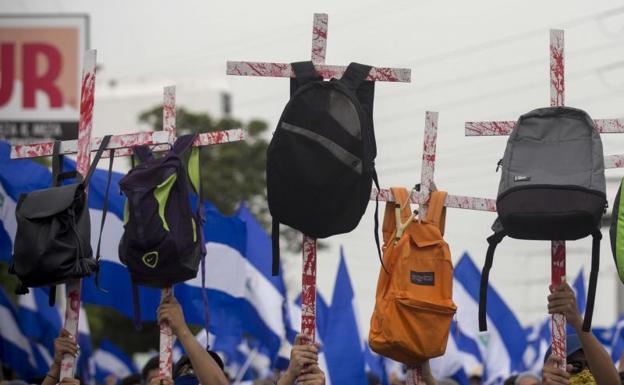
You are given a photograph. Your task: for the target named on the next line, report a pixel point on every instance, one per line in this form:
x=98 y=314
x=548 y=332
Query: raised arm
x=206 y=369
x=563 y=300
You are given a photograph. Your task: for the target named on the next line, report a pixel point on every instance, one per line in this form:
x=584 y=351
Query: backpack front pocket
x=420 y=326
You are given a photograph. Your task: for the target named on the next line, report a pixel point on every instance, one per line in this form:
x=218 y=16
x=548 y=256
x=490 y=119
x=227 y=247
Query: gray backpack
x=552 y=188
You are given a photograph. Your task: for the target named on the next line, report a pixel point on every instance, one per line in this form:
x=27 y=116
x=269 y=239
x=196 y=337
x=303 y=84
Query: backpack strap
x=593 y=280
x=143 y=153
x=96 y=159
x=275 y=244
x=436 y=211
x=183 y=143
x=57 y=166
x=401 y=202
x=305 y=73
x=136 y=306
x=111 y=157
x=52 y=296
x=354 y=75
x=493 y=241
x=376 y=229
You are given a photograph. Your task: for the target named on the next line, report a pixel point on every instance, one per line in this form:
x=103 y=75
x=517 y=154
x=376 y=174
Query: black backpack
x=320 y=162
x=53 y=239
x=163 y=240
x=552 y=187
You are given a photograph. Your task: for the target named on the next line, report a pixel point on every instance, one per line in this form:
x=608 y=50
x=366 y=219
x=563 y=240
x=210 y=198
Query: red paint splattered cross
x=122 y=144
x=557 y=93
x=319 y=45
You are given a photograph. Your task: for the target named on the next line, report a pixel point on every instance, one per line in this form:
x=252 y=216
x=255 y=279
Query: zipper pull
x=499 y=164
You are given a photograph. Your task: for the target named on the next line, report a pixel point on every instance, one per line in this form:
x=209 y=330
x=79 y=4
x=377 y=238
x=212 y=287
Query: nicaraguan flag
x=16 y=350
x=342 y=333
x=109 y=359
x=502 y=346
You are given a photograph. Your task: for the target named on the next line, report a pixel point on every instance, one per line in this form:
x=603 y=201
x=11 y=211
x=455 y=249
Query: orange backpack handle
x=436 y=211
x=401 y=197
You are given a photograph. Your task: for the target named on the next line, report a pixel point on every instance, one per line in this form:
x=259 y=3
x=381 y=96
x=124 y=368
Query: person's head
x=527 y=378
x=510 y=380
x=575 y=356
x=475 y=375
x=133 y=379
x=184 y=374
x=150 y=370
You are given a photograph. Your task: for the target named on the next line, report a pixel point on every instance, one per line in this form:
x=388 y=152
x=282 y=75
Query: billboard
x=40 y=75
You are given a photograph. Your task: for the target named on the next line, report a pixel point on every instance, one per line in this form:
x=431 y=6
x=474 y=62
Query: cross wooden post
x=421 y=197
x=319 y=44
x=122 y=144
x=557 y=97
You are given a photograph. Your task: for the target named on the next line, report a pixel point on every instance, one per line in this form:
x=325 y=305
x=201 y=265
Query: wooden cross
x=557 y=94
x=319 y=45
x=421 y=197
x=122 y=144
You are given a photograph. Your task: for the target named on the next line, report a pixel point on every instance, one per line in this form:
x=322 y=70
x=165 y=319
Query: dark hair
x=511 y=380
x=184 y=360
x=152 y=364
x=132 y=379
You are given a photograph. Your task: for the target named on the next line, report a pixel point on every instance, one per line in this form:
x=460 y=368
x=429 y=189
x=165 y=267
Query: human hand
x=161 y=380
x=69 y=381
x=552 y=374
x=171 y=313
x=300 y=356
x=65 y=343
x=563 y=300
x=311 y=375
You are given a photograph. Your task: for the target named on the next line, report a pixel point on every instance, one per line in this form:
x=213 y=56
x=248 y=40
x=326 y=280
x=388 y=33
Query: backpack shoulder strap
x=593 y=280
x=436 y=211
x=305 y=72
x=183 y=143
x=143 y=153
x=96 y=159
x=401 y=200
x=493 y=241
x=136 y=306
x=354 y=75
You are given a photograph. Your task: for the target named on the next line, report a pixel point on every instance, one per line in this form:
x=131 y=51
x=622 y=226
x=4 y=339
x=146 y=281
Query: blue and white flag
x=16 y=350
x=342 y=336
x=109 y=359
x=502 y=346
x=454 y=363
x=242 y=294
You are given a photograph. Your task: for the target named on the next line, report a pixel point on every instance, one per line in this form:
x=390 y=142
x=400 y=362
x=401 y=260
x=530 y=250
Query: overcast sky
x=476 y=60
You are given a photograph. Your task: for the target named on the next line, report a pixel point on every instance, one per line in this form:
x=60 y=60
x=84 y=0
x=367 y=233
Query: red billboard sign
x=40 y=60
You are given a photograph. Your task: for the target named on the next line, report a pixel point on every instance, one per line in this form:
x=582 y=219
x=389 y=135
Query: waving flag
x=342 y=333
x=16 y=350
x=452 y=363
x=109 y=359
x=243 y=296
x=502 y=347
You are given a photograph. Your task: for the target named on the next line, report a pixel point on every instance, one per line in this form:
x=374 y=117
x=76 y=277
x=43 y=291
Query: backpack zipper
x=499 y=164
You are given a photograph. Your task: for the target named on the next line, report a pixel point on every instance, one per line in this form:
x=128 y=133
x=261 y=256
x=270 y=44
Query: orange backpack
x=414 y=306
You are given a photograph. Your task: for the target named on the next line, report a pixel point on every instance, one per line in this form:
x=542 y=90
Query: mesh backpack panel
x=552 y=187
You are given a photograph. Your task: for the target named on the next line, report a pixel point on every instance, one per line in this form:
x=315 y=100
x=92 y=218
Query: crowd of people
x=587 y=362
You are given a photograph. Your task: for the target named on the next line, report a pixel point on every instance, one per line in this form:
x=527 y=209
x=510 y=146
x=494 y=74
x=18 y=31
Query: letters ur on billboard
x=40 y=59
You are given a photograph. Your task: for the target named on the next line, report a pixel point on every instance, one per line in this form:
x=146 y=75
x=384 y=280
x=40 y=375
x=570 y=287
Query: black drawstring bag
x=53 y=238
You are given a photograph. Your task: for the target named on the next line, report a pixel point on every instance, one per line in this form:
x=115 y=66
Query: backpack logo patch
x=426 y=278
x=522 y=178
x=150 y=259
